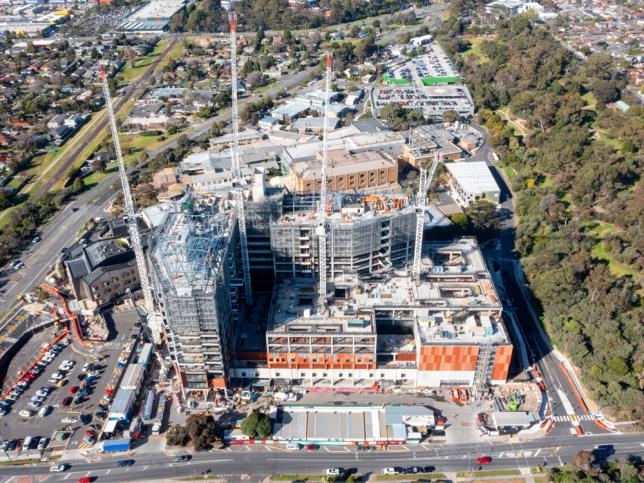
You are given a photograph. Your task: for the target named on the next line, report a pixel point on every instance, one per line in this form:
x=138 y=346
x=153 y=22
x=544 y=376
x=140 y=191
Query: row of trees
x=200 y=429
x=577 y=196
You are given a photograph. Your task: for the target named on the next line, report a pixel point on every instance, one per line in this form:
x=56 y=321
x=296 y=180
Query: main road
x=256 y=464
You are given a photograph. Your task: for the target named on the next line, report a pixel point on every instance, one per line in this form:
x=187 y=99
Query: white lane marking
x=537 y=452
x=145 y=468
x=560 y=462
x=67 y=476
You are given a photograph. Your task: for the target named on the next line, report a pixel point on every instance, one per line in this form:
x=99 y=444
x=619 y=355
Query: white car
x=26 y=413
x=85 y=367
x=293 y=446
x=69 y=363
x=57 y=376
x=44 y=411
x=69 y=420
x=34 y=404
x=42 y=392
x=42 y=444
x=37 y=398
x=3 y=412
x=59 y=468
x=23 y=384
x=390 y=471
x=333 y=471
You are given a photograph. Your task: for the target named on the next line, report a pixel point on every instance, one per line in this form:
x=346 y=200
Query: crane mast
x=238 y=192
x=321 y=229
x=424 y=182
x=153 y=319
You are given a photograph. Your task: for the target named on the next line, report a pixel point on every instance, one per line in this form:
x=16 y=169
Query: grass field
x=614 y=143
x=475 y=49
x=130 y=73
x=416 y=477
x=600 y=250
x=589 y=99
x=487 y=473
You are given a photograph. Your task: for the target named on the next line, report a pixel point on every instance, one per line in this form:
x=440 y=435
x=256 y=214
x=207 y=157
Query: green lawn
x=265 y=88
x=130 y=73
x=475 y=49
x=589 y=99
x=175 y=53
x=599 y=229
x=296 y=478
x=618 y=269
x=485 y=473
x=614 y=143
x=416 y=477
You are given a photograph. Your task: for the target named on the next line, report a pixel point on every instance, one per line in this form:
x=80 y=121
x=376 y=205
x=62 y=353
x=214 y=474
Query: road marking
x=145 y=468
x=67 y=476
x=501 y=454
x=560 y=462
x=537 y=452
x=108 y=471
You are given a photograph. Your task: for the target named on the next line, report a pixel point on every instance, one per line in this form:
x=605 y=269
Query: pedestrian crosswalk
x=113 y=345
x=575 y=417
x=10 y=340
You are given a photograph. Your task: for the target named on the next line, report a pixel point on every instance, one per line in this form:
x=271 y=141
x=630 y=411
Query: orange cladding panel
x=320 y=361
x=448 y=358
x=502 y=363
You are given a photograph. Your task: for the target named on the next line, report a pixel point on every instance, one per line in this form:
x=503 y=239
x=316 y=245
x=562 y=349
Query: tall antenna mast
x=321 y=229
x=153 y=319
x=424 y=182
x=236 y=168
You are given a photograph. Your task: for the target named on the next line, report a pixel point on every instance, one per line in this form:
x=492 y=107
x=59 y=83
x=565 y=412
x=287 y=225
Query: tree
x=177 y=436
x=583 y=460
x=265 y=427
x=98 y=164
x=481 y=214
x=249 y=425
x=255 y=79
x=450 y=116
x=459 y=219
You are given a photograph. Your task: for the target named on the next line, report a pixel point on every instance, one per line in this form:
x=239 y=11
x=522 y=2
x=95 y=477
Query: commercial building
x=425 y=144
x=471 y=182
x=153 y=17
x=196 y=277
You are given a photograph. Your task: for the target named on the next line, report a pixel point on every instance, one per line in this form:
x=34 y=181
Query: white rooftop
x=474 y=177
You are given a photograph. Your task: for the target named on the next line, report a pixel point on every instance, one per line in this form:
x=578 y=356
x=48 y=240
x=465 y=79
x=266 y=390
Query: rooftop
x=341 y=162
x=473 y=177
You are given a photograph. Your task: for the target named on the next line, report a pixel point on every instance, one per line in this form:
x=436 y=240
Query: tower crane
x=425 y=181
x=238 y=192
x=321 y=216
x=153 y=320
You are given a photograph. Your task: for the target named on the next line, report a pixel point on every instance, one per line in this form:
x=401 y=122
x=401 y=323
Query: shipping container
x=145 y=355
x=121 y=444
x=133 y=377
x=122 y=405
x=149 y=404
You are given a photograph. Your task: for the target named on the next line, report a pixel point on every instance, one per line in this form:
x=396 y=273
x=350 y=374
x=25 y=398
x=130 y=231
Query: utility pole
x=153 y=319
x=321 y=218
x=238 y=189
x=424 y=182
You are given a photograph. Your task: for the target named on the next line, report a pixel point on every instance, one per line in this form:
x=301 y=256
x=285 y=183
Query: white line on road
x=145 y=468
x=560 y=462
x=67 y=476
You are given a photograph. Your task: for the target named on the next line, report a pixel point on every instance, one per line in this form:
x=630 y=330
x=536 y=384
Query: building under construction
x=197 y=281
x=366 y=234
x=388 y=329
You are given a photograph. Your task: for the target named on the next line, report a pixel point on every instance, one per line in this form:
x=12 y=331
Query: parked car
x=37 y=398
x=26 y=444
x=34 y=404
x=390 y=471
x=73 y=389
x=413 y=470
x=483 y=460
x=125 y=462
x=69 y=420
x=333 y=472
x=44 y=411
x=293 y=446
x=182 y=457
x=67 y=401
x=42 y=392
x=42 y=444
x=312 y=447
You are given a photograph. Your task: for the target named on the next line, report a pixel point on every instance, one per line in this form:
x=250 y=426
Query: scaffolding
x=196 y=275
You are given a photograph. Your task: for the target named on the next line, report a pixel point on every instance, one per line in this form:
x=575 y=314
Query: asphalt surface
x=257 y=463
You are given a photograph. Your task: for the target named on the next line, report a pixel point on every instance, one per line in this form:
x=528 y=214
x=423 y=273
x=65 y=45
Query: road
x=261 y=462
x=563 y=401
x=56 y=234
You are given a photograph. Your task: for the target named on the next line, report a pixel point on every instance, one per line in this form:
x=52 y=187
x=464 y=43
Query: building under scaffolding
x=365 y=235
x=197 y=278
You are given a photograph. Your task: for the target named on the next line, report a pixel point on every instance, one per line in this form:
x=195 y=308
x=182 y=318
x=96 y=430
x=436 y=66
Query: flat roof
x=473 y=177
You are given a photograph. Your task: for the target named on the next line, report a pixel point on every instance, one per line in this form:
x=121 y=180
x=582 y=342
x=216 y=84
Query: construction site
x=353 y=294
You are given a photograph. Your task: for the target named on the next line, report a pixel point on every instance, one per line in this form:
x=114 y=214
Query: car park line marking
x=145 y=468
x=67 y=476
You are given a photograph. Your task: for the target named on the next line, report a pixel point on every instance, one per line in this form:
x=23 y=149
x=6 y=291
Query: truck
x=112 y=445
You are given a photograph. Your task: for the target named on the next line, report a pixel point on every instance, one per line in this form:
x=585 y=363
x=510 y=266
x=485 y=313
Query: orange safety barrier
x=71 y=316
x=601 y=425
x=574 y=387
x=56 y=340
x=549 y=426
x=580 y=431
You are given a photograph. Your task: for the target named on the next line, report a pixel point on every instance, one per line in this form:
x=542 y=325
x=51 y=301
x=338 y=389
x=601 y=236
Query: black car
x=85 y=418
x=182 y=457
x=125 y=462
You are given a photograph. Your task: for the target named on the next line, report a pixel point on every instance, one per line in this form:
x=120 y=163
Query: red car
x=85 y=479
x=30 y=376
x=90 y=432
x=312 y=447
x=483 y=460
x=73 y=389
